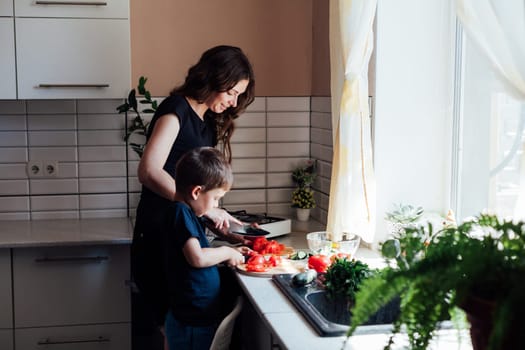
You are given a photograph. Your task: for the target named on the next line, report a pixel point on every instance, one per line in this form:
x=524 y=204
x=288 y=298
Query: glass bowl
x=319 y=243
x=348 y=244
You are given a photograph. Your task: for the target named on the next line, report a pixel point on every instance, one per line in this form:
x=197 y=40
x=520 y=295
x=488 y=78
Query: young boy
x=203 y=176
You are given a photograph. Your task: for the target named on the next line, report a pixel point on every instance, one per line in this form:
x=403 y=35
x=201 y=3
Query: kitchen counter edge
x=65 y=232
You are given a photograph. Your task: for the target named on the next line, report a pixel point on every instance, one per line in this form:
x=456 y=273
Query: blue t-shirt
x=194 y=293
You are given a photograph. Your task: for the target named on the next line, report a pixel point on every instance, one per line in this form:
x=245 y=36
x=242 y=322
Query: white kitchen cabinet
x=73 y=8
x=7 y=51
x=97 y=337
x=72 y=58
x=57 y=286
x=6 y=8
x=66 y=49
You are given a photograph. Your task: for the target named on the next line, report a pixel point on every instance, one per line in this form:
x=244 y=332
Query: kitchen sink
x=331 y=317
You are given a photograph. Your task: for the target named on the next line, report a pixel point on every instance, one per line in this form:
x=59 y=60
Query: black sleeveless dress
x=147 y=265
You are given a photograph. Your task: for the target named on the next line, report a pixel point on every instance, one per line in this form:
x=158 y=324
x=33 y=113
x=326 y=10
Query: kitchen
x=289 y=121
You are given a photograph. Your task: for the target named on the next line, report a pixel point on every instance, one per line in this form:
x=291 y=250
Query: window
x=490 y=141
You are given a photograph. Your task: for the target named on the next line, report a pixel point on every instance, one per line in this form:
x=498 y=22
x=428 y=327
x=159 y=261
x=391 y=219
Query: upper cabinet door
x=72 y=8
x=7 y=59
x=6 y=8
x=72 y=58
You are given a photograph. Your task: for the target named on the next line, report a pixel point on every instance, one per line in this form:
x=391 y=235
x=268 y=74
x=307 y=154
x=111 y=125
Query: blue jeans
x=184 y=337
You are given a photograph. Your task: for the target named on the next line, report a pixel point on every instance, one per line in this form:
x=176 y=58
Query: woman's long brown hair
x=218 y=70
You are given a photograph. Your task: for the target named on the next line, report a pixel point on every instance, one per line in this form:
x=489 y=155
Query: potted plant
x=478 y=266
x=138 y=125
x=401 y=216
x=303 y=196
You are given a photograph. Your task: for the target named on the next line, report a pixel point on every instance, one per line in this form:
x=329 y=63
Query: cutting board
x=286 y=266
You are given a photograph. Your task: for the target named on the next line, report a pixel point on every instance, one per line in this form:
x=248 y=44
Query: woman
x=200 y=112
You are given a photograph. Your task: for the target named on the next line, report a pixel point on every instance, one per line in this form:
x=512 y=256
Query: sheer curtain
x=352 y=192
x=498 y=28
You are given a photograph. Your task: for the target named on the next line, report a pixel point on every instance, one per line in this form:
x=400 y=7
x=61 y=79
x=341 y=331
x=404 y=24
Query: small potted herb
x=303 y=196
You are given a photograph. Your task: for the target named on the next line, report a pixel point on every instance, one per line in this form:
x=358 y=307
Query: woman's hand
x=221 y=219
x=220 y=226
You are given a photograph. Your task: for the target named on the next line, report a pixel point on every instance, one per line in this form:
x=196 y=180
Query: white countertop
x=295 y=332
x=37 y=233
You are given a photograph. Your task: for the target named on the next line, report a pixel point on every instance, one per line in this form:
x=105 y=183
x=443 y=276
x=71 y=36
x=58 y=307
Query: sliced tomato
x=319 y=262
x=257 y=268
x=275 y=260
x=259 y=243
x=256 y=259
x=272 y=247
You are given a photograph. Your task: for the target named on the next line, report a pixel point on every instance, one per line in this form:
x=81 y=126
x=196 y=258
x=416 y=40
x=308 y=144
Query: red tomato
x=339 y=256
x=319 y=262
x=259 y=243
x=274 y=260
x=272 y=247
x=256 y=259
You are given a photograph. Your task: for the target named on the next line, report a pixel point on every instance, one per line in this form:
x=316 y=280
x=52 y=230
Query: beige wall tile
x=298 y=149
x=54 y=186
x=54 y=203
x=13 y=139
x=249 y=181
x=51 y=122
x=14 y=187
x=296 y=134
x=12 y=107
x=102 y=185
x=12 y=122
x=283 y=104
x=51 y=106
x=14 y=204
x=102 y=169
x=280 y=119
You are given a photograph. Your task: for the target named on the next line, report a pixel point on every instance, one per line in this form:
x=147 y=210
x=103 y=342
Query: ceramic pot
x=303 y=214
x=480 y=313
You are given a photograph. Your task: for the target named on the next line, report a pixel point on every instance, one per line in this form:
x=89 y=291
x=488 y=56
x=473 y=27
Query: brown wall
x=168 y=36
x=320 y=49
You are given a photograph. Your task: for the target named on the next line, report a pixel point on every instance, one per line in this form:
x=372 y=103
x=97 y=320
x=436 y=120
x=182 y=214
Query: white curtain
x=352 y=192
x=498 y=28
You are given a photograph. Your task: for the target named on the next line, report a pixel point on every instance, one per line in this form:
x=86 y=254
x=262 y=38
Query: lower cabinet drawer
x=6 y=306
x=61 y=286
x=6 y=339
x=98 y=337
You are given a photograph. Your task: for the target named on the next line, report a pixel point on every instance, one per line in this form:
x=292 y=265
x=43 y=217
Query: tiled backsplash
x=85 y=137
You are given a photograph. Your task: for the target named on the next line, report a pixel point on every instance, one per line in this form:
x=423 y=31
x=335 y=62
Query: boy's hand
x=244 y=250
x=236 y=258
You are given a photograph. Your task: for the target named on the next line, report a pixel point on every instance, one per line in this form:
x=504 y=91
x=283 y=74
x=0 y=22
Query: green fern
x=439 y=273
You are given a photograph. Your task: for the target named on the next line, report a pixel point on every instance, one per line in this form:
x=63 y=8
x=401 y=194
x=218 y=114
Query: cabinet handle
x=89 y=3
x=48 y=341
x=96 y=259
x=73 y=85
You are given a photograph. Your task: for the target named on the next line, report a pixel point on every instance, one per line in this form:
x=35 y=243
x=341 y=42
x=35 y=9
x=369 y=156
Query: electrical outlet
x=50 y=168
x=34 y=168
